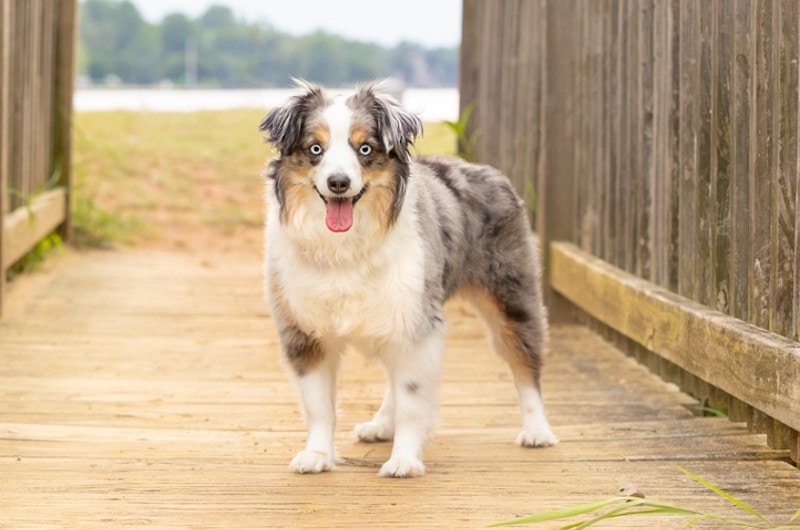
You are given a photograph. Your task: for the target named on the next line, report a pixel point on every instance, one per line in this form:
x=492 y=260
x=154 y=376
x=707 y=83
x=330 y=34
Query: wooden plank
x=762 y=177
x=705 y=229
x=591 y=116
x=157 y=397
x=643 y=238
x=687 y=210
x=673 y=202
x=782 y=281
x=468 y=71
x=662 y=142
x=5 y=136
x=64 y=77
x=611 y=214
x=606 y=122
x=555 y=214
x=796 y=293
x=705 y=342
x=26 y=226
x=742 y=156
x=620 y=178
x=722 y=164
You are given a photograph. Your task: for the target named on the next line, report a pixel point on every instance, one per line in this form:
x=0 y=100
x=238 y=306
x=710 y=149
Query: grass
x=181 y=180
x=614 y=507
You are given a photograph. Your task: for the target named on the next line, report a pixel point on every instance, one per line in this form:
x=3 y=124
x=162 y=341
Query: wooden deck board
x=145 y=388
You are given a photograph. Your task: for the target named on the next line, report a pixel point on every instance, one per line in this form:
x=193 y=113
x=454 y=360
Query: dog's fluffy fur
x=364 y=246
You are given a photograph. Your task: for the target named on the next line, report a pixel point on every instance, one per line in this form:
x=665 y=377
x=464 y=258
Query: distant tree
x=116 y=40
x=176 y=30
x=217 y=18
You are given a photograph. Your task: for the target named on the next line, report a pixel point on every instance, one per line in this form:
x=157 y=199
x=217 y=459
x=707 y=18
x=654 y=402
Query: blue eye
x=364 y=150
x=315 y=149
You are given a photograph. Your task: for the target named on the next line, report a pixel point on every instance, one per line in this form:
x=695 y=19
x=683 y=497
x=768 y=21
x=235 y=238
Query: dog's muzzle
x=339 y=210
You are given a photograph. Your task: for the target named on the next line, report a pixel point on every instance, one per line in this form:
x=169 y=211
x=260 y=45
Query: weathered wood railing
x=37 y=41
x=662 y=139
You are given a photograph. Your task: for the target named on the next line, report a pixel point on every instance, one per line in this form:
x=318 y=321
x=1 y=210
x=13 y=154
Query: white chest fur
x=376 y=296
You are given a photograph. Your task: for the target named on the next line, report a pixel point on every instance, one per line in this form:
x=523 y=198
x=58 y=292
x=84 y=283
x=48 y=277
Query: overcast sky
x=432 y=23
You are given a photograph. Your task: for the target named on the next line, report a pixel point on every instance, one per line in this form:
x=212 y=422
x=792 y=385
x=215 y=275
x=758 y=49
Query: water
x=434 y=104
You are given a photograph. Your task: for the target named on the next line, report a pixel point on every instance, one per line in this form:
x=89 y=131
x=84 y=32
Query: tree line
x=218 y=50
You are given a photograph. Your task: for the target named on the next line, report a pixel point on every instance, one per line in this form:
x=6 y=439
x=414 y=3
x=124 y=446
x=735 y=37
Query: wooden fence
x=36 y=84
x=661 y=137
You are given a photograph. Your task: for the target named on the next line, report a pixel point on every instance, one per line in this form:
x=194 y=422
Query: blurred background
x=248 y=47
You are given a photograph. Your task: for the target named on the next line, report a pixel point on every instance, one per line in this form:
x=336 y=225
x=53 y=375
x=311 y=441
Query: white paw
x=312 y=462
x=402 y=468
x=372 y=431
x=541 y=437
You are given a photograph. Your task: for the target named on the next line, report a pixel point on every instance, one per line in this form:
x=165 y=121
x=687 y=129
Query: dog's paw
x=402 y=468
x=372 y=431
x=542 y=437
x=312 y=462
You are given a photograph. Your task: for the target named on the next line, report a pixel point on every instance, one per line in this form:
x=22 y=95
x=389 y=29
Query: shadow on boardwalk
x=145 y=388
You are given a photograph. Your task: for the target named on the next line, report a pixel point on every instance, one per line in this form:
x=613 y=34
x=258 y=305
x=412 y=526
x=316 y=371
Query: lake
x=432 y=104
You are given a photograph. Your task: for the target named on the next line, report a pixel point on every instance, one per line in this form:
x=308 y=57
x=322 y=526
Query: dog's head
x=341 y=152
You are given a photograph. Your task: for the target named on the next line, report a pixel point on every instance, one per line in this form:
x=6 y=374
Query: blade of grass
x=629 y=508
x=795 y=516
x=559 y=513
x=725 y=495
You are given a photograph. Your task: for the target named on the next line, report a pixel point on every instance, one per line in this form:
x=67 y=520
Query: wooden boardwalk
x=142 y=388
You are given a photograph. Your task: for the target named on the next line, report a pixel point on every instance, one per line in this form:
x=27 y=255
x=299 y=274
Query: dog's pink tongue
x=340 y=215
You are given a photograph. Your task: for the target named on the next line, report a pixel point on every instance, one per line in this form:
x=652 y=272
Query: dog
x=365 y=244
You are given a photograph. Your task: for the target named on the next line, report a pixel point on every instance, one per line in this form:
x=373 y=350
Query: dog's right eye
x=315 y=149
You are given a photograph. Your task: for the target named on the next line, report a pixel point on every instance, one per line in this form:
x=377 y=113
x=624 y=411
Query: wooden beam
x=26 y=226
x=556 y=182
x=64 y=87
x=5 y=110
x=756 y=366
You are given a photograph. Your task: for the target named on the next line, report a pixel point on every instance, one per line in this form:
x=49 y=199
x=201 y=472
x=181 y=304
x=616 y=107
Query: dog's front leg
x=414 y=374
x=315 y=369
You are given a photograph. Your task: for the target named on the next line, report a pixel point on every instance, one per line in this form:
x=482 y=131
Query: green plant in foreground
x=37 y=255
x=466 y=141
x=627 y=506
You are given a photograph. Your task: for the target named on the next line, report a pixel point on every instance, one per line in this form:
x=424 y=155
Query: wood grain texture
x=758 y=367
x=146 y=389
x=37 y=41
x=5 y=136
x=669 y=148
x=26 y=226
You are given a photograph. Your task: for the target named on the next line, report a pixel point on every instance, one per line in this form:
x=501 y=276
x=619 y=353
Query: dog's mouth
x=339 y=215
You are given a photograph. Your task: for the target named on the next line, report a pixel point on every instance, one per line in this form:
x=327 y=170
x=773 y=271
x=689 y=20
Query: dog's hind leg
x=517 y=330
x=381 y=427
x=414 y=372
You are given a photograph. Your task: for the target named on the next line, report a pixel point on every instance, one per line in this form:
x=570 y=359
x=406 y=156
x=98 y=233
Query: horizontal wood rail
x=26 y=226
x=755 y=366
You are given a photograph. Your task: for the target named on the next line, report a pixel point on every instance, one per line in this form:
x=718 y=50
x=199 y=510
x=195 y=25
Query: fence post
x=5 y=92
x=62 y=120
x=556 y=186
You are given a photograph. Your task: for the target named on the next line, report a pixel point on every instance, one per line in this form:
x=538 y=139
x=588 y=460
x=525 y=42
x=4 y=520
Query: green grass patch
x=144 y=175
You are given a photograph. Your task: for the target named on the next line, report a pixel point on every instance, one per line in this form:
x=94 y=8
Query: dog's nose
x=339 y=183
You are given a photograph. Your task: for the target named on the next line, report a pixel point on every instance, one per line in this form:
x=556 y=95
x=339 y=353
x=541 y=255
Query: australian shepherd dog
x=365 y=243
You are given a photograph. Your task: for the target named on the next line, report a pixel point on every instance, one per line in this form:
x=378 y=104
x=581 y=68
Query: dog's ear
x=397 y=127
x=284 y=125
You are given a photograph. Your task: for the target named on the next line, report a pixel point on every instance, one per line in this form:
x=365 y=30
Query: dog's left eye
x=315 y=149
x=364 y=150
